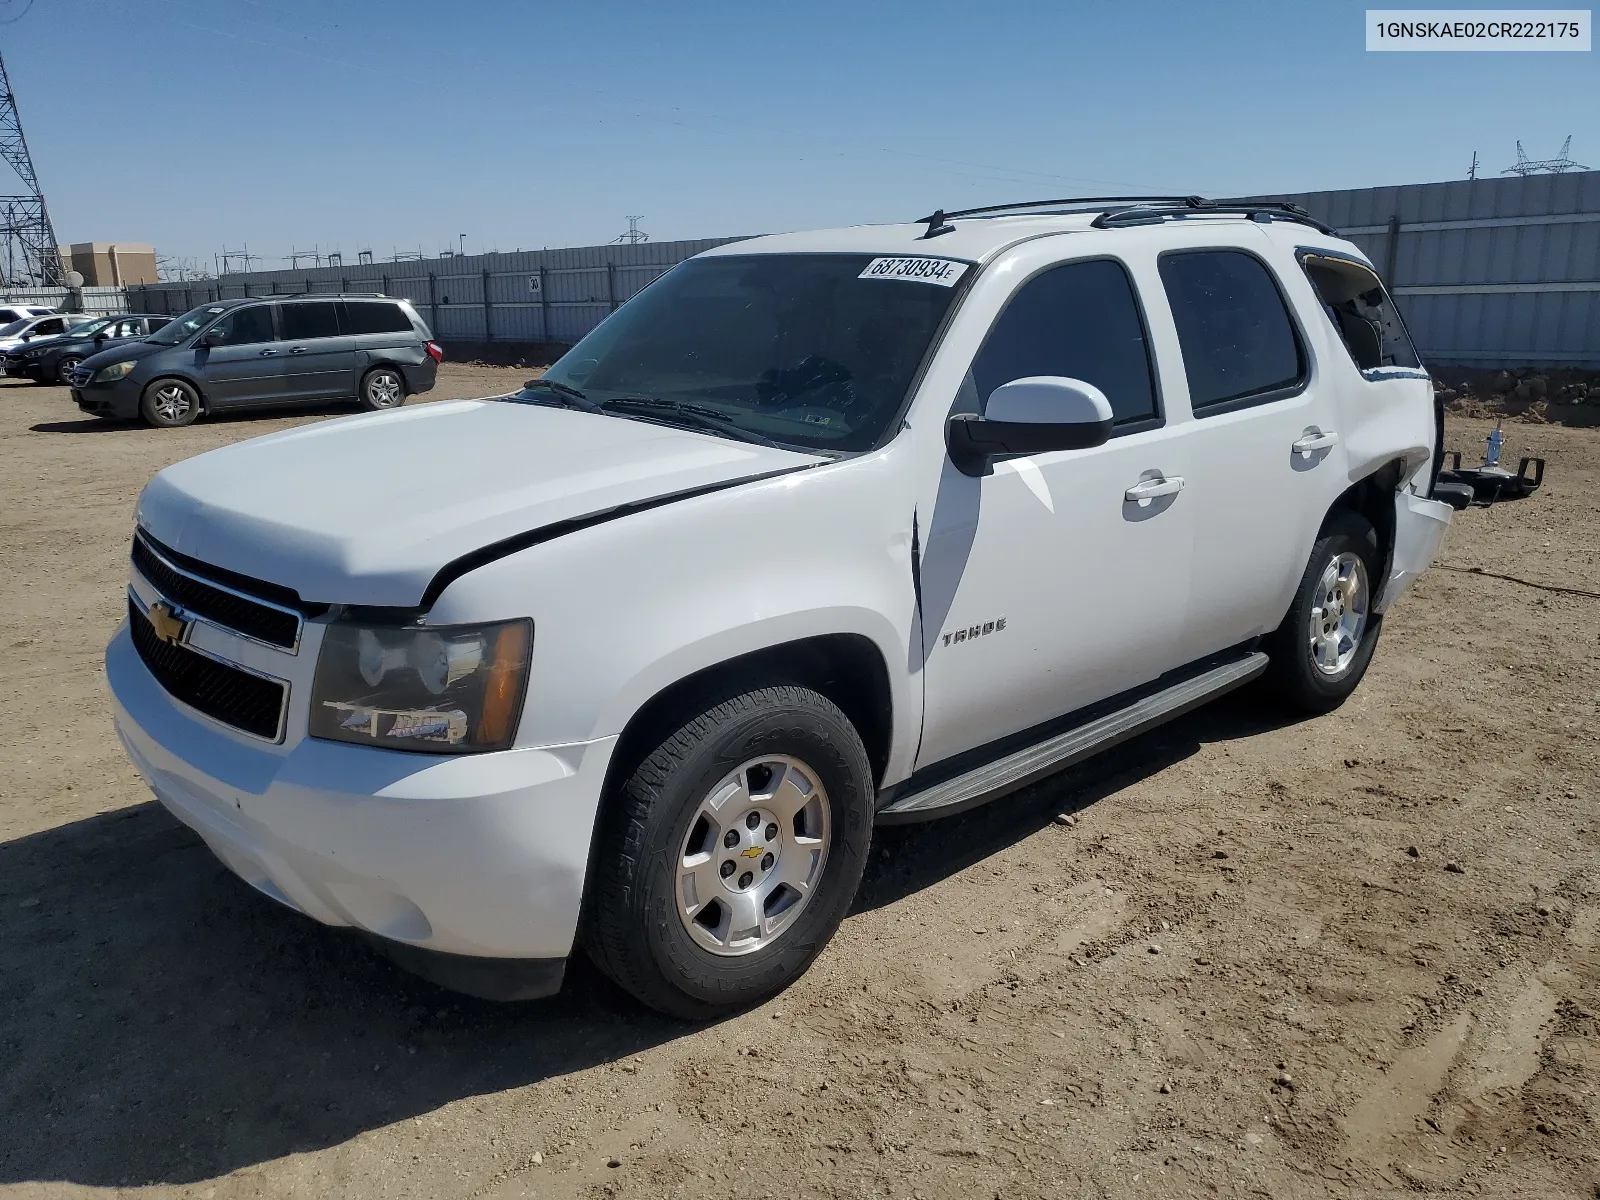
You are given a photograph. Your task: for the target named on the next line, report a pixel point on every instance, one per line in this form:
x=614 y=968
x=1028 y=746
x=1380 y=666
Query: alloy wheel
x=1338 y=613
x=753 y=856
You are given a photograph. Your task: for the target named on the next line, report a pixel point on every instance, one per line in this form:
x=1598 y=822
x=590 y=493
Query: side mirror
x=1030 y=416
x=212 y=337
x=99 y=337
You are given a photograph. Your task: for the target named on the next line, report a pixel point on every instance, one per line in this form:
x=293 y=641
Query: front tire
x=731 y=854
x=382 y=388
x=1321 y=651
x=169 y=403
x=64 y=370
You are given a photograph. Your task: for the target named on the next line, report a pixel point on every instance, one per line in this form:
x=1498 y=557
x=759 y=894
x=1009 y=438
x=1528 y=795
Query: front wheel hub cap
x=753 y=855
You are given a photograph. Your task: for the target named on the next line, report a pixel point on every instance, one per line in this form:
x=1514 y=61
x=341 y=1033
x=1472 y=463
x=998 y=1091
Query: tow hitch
x=1460 y=486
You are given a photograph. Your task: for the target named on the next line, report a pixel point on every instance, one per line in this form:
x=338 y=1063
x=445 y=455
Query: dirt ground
x=1352 y=956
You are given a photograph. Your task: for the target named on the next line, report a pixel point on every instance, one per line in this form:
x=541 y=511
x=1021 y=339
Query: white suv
x=818 y=531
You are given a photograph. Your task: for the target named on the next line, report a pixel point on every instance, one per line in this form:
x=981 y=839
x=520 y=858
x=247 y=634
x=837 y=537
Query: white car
x=41 y=325
x=21 y=312
x=818 y=531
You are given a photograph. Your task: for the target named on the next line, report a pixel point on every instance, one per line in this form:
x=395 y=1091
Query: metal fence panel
x=1489 y=271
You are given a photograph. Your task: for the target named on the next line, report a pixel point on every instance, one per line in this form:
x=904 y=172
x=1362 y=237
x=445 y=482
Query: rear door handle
x=1151 y=489
x=266 y=352
x=298 y=350
x=1313 y=440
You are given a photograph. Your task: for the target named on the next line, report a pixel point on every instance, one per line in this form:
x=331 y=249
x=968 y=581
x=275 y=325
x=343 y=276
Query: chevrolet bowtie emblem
x=164 y=619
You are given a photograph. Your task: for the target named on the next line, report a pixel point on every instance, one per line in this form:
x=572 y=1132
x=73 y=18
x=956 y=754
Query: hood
x=367 y=509
x=124 y=349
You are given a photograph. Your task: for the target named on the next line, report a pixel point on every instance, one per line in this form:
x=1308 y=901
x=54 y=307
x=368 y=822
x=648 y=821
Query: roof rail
x=936 y=221
x=1257 y=210
x=1135 y=210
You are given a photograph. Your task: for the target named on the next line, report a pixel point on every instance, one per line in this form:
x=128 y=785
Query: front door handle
x=298 y=350
x=1153 y=489
x=1313 y=440
x=266 y=352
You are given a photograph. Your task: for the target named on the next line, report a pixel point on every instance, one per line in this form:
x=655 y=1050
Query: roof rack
x=1255 y=210
x=323 y=295
x=936 y=221
x=1135 y=210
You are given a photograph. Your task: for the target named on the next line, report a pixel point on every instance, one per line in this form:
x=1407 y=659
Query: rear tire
x=1323 y=647
x=169 y=403
x=382 y=388
x=729 y=857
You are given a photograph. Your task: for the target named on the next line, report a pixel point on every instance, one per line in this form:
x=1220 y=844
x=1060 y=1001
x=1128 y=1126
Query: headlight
x=448 y=689
x=112 y=373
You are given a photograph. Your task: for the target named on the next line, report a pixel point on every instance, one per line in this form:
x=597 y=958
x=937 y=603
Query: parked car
x=818 y=531
x=21 y=312
x=264 y=351
x=26 y=329
x=52 y=360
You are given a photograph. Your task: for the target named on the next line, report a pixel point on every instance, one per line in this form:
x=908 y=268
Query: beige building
x=111 y=264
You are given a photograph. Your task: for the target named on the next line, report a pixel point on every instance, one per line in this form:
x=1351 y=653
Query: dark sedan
x=51 y=360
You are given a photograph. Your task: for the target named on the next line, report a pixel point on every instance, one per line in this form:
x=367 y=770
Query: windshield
x=15 y=327
x=798 y=348
x=88 y=328
x=186 y=326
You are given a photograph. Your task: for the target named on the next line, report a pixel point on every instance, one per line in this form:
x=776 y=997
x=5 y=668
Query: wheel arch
x=847 y=668
x=1372 y=497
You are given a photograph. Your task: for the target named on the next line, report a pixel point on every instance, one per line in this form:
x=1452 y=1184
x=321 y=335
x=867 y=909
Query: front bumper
x=471 y=855
x=118 y=399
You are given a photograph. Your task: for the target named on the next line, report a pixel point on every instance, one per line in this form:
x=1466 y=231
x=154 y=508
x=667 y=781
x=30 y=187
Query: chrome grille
x=247 y=615
x=229 y=694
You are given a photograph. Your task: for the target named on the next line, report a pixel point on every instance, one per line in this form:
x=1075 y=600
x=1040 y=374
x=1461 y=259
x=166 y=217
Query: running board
x=1018 y=769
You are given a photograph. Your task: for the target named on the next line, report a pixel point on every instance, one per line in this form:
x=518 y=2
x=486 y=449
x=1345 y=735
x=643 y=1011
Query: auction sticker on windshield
x=942 y=271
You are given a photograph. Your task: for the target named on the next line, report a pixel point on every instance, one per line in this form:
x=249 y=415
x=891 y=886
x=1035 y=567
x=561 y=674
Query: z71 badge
x=972 y=632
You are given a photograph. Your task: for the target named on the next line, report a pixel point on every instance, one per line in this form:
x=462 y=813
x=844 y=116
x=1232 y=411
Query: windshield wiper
x=566 y=394
x=691 y=414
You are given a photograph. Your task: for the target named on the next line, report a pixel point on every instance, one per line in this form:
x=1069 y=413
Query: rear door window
x=1240 y=346
x=374 y=316
x=1363 y=313
x=1082 y=321
x=303 y=320
x=247 y=326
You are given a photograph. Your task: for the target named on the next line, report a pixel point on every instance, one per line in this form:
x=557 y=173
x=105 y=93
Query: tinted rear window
x=376 y=317
x=1238 y=341
x=309 y=319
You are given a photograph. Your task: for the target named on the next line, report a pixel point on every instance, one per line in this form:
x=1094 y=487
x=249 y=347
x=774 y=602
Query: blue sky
x=353 y=124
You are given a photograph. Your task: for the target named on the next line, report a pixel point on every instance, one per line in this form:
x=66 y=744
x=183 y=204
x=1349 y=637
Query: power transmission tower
x=1544 y=166
x=243 y=258
x=24 y=220
x=635 y=235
